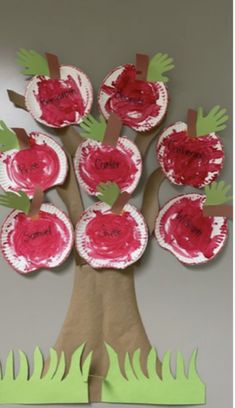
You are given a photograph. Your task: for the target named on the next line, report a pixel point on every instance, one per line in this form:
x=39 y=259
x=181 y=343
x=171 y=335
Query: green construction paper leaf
x=18 y=201
x=216 y=193
x=158 y=65
x=109 y=192
x=55 y=387
x=213 y=122
x=8 y=138
x=93 y=129
x=32 y=62
x=134 y=387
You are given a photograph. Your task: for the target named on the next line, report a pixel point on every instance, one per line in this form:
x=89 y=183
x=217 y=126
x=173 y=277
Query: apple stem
x=120 y=202
x=191 y=122
x=36 y=202
x=141 y=64
x=222 y=210
x=22 y=138
x=53 y=65
x=113 y=130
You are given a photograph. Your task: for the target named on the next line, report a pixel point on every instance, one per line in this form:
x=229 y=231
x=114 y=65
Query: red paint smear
x=112 y=237
x=185 y=229
x=134 y=101
x=38 y=240
x=105 y=163
x=190 y=159
x=60 y=100
x=38 y=165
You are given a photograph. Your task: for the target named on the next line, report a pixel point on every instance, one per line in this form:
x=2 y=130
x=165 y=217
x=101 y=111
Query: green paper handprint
x=32 y=62
x=109 y=192
x=94 y=129
x=158 y=65
x=216 y=193
x=213 y=122
x=18 y=201
x=8 y=139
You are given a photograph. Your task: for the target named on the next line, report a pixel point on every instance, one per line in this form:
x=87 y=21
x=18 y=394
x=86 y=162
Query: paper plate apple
x=97 y=162
x=111 y=234
x=192 y=154
x=41 y=161
x=34 y=235
x=56 y=96
x=140 y=100
x=185 y=228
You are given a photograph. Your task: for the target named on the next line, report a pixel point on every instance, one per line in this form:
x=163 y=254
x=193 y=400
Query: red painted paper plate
x=43 y=164
x=45 y=241
x=194 y=161
x=142 y=105
x=108 y=240
x=97 y=163
x=182 y=229
x=60 y=102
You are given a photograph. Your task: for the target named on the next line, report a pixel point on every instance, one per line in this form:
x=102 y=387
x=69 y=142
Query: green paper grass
x=54 y=387
x=136 y=387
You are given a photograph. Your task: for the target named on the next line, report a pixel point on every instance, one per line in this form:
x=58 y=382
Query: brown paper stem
x=120 y=202
x=17 y=99
x=151 y=206
x=53 y=65
x=222 y=210
x=113 y=130
x=36 y=202
x=22 y=137
x=191 y=122
x=142 y=62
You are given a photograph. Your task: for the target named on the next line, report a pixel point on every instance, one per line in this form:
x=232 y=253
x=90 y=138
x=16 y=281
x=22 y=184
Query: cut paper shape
x=53 y=387
x=216 y=197
x=93 y=129
x=141 y=64
x=113 y=130
x=108 y=240
x=31 y=243
x=19 y=201
x=96 y=163
x=185 y=160
x=213 y=122
x=138 y=388
x=32 y=62
x=182 y=229
x=8 y=139
x=56 y=102
x=109 y=192
x=141 y=105
x=44 y=164
x=159 y=65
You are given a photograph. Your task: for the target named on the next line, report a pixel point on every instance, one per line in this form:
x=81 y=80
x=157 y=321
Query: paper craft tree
x=102 y=352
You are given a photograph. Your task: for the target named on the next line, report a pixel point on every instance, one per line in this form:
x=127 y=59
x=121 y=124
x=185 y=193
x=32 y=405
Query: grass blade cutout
x=212 y=123
x=108 y=192
x=18 y=201
x=53 y=387
x=8 y=138
x=135 y=387
x=32 y=63
x=158 y=66
x=93 y=129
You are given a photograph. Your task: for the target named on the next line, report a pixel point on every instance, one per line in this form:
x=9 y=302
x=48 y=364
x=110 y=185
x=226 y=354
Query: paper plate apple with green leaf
x=111 y=233
x=194 y=227
x=56 y=96
x=137 y=93
x=105 y=156
x=29 y=160
x=34 y=235
x=192 y=154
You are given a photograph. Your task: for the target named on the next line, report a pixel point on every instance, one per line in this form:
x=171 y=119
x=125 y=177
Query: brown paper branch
x=191 y=122
x=22 y=138
x=223 y=210
x=17 y=99
x=141 y=64
x=53 y=65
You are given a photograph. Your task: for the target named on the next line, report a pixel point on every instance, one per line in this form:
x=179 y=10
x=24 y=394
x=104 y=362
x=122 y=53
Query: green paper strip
x=55 y=387
x=32 y=62
x=8 y=138
x=216 y=193
x=18 y=201
x=93 y=129
x=158 y=65
x=213 y=122
x=109 y=192
x=137 y=388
